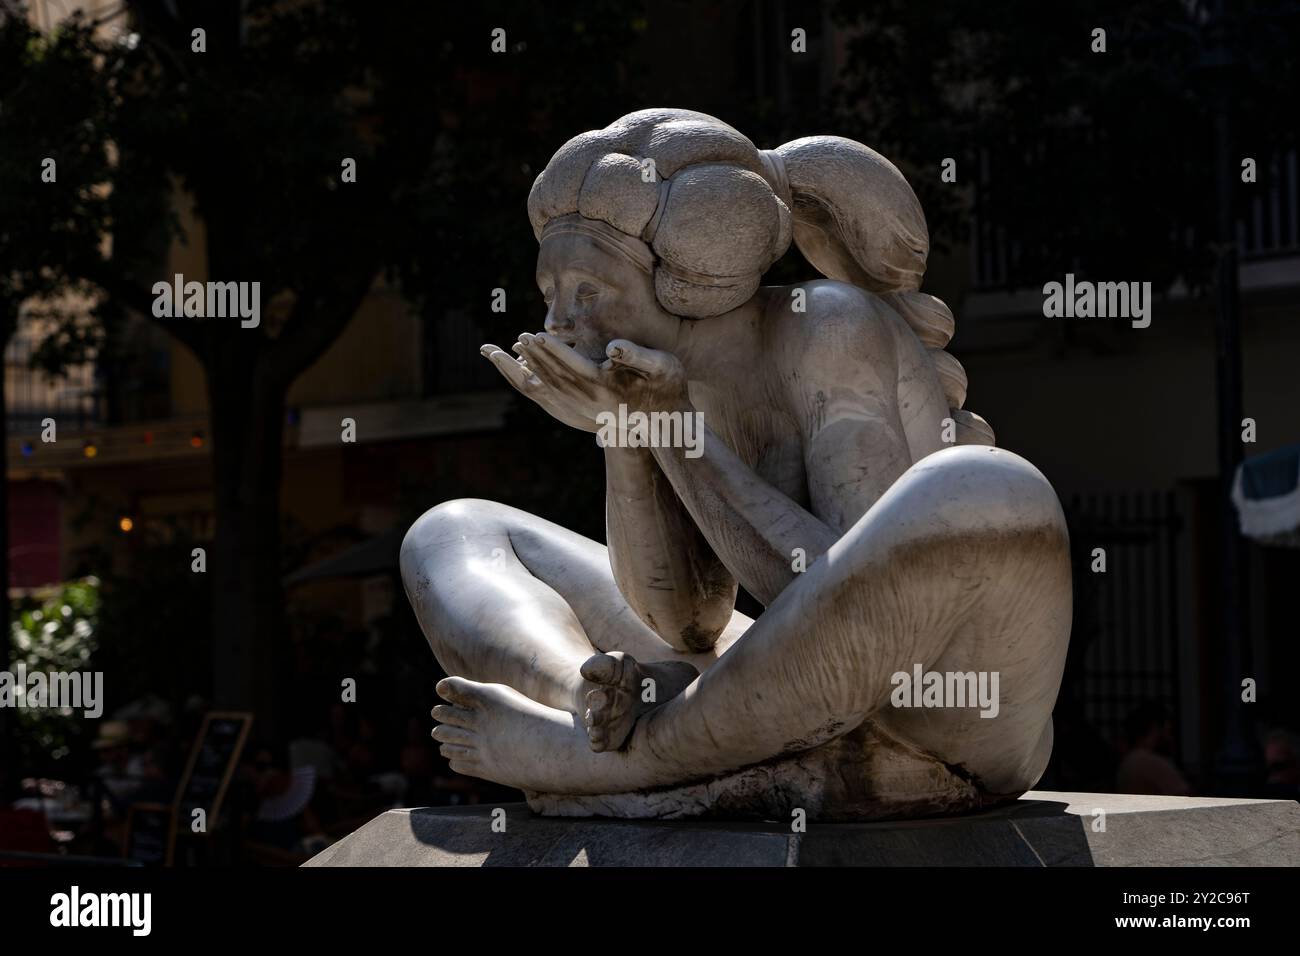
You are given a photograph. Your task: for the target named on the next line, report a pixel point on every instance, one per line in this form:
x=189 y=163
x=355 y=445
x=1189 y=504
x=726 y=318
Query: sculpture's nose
x=559 y=322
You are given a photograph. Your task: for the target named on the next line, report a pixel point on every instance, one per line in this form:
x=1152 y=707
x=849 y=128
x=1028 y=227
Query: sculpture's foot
x=494 y=732
x=868 y=774
x=627 y=690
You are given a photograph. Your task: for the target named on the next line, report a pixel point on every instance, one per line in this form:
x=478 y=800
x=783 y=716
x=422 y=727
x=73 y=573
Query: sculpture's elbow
x=693 y=633
x=697 y=639
x=689 y=617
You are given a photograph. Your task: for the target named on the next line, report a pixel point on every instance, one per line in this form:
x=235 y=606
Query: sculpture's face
x=594 y=295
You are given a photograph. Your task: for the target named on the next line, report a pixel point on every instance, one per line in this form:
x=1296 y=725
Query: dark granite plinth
x=1041 y=829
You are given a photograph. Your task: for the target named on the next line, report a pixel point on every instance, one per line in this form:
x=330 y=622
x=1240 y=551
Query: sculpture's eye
x=587 y=291
x=548 y=294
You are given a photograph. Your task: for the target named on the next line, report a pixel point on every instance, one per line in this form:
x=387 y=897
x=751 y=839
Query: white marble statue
x=839 y=481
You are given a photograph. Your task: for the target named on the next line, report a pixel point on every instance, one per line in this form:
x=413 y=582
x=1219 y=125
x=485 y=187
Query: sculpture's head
x=598 y=286
x=662 y=214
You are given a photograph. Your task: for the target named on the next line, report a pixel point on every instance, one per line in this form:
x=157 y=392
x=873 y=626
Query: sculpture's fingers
x=515 y=372
x=546 y=367
x=649 y=362
x=578 y=365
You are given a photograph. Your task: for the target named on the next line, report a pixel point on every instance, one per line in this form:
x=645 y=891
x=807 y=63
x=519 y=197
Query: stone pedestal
x=1043 y=828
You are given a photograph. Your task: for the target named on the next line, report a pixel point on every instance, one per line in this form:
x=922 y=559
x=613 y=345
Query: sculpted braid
x=857 y=220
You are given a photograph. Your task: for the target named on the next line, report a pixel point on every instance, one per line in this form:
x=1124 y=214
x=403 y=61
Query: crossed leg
x=505 y=597
x=965 y=559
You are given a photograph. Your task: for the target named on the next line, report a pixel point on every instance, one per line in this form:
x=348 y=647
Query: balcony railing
x=1268 y=227
x=73 y=400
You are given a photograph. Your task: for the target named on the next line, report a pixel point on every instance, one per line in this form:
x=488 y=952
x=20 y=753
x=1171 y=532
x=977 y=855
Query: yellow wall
x=377 y=357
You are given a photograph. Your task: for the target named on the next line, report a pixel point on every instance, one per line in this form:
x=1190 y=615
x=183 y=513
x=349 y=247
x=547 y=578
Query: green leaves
x=54 y=631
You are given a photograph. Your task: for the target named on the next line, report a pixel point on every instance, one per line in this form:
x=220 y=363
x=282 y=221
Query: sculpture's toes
x=609 y=718
x=628 y=690
x=458 y=744
x=461 y=723
x=465 y=693
x=456 y=716
x=614 y=668
x=611 y=708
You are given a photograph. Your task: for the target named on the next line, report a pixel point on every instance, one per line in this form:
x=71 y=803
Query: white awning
x=1266 y=491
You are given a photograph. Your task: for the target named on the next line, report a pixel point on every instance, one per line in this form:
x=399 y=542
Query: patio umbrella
x=377 y=555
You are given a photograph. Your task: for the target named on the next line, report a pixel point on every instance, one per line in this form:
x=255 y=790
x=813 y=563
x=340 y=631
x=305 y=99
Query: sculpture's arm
x=750 y=525
x=663 y=565
x=855 y=451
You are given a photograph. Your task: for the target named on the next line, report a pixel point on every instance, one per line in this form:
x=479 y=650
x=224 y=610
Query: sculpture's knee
x=445 y=527
x=962 y=524
x=975 y=488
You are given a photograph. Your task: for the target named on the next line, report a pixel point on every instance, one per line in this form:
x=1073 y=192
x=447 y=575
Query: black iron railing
x=1268 y=226
x=1125 y=643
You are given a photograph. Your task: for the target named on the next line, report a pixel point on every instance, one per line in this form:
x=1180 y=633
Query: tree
x=1095 y=161
x=51 y=218
x=250 y=121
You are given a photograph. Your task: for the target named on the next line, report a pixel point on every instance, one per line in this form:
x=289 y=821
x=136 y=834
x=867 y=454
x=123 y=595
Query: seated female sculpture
x=840 y=482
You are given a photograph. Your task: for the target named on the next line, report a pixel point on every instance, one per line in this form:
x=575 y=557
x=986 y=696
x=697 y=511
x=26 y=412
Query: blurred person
x=342 y=728
x=363 y=755
x=281 y=814
x=120 y=773
x=1282 y=764
x=1147 y=766
x=416 y=763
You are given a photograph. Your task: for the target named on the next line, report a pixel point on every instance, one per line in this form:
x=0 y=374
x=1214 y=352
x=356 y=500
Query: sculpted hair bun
x=687 y=184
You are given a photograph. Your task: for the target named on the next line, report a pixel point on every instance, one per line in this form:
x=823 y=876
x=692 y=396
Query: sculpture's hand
x=647 y=380
x=523 y=378
x=577 y=391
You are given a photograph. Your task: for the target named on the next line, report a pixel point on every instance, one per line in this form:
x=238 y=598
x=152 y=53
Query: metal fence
x=1125 y=643
x=1269 y=226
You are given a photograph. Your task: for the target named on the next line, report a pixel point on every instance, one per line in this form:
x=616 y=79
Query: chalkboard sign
x=150 y=828
x=211 y=765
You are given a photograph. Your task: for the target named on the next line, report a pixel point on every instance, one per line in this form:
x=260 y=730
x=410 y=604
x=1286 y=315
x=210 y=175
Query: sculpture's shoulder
x=828 y=331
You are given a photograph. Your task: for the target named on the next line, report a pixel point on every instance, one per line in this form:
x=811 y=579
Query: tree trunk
x=247 y=422
x=10 y=772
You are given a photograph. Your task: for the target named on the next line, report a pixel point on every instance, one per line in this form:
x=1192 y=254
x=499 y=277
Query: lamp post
x=1237 y=762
